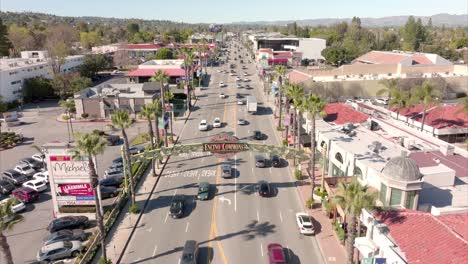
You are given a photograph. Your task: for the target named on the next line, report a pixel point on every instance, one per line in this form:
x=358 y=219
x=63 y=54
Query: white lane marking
x=167 y=216
x=258 y=216
x=252 y=170
x=235 y=184
x=154 y=251
x=179 y=261
x=186 y=228
x=270 y=171
x=149 y=229
x=281 y=217
x=261 y=248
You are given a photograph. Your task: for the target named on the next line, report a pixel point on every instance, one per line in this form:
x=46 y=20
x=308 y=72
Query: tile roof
x=339 y=114
x=265 y=50
x=449 y=116
x=298 y=76
x=150 y=72
x=386 y=57
x=424 y=238
x=143 y=46
x=456 y=162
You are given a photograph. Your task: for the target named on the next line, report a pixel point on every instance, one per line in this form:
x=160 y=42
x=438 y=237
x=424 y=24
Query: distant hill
x=437 y=20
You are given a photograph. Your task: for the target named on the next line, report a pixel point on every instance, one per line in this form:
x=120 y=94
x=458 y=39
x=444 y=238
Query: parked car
x=260 y=161
x=264 y=188
x=36 y=165
x=241 y=102
x=112 y=181
x=203 y=126
x=114 y=173
x=108 y=192
x=59 y=250
x=37 y=185
x=42 y=175
x=25 y=169
x=17 y=205
x=117 y=160
x=38 y=157
x=112 y=140
x=177 y=207
x=222 y=95
x=65 y=235
x=14 y=177
x=190 y=252
x=276 y=254
x=275 y=161
x=257 y=135
x=241 y=121
x=304 y=222
x=6 y=187
x=203 y=191
x=226 y=170
x=221 y=84
x=25 y=194
x=68 y=222
x=217 y=122
x=136 y=149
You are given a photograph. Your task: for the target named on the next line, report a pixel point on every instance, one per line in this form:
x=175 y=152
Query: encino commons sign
x=225 y=146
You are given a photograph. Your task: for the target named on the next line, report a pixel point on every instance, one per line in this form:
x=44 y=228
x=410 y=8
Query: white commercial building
x=13 y=72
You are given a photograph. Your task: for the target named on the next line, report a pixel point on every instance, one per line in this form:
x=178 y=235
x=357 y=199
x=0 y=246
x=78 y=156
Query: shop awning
x=366 y=246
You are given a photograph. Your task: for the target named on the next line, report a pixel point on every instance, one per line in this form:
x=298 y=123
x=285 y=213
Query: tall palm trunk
x=5 y=249
x=286 y=106
x=423 y=118
x=99 y=218
x=280 y=102
x=312 y=157
x=163 y=107
x=351 y=237
x=158 y=138
x=298 y=131
x=151 y=134
x=129 y=166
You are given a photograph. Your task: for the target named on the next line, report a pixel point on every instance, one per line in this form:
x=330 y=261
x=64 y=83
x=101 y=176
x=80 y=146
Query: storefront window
x=409 y=203
x=337 y=172
x=395 y=197
x=358 y=172
x=338 y=157
x=383 y=193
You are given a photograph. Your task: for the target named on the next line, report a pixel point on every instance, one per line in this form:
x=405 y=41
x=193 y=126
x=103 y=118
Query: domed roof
x=402 y=169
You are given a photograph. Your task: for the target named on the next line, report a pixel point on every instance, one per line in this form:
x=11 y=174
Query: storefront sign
x=76 y=189
x=224 y=146
x=65 y=166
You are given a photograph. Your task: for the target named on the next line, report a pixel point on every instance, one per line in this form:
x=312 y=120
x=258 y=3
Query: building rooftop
x=395 y=57
x=121 y=90
x=424 y=238
x=149 y=46
x=298 y=76
x=445 y=116
x=339 y=114
x=16 y=63
x=455 y=162
x=174 y=72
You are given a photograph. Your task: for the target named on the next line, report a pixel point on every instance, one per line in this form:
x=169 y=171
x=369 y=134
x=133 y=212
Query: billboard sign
x=65 y=167
x=225 y=146
x=76 y=189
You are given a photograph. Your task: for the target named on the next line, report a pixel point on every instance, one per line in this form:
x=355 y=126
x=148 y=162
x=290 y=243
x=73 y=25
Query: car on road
x=112 y=140
x=239 y=96
x=304 y=222
x=68 y=222
x=6 y=187
x=203 y=126
x=25 y=169
x=276 y=254
x=217 y=122
x=383 y=101
x=38 y=157
x=238 y=85
x=42 y=175
x=238 y=79
x=108 y=192
x=275 y=161
x=14 y=177
x=136 y=150
x=260 y=161
x=36 y=165
x=17 y=205
x=264 y=188
x=37 y=185
x=190 y=252
x=25 y=194
x=241 y=102
x=246 y=80
x=117 y=160
x=226 y=170
x=241 y=121
x=203 y=191
x=65 y=235
x=112 y=181
x=221 y=84
x=231 y=74
x=222 y=95
x=257 y=135
x=177 y=207
x=59 y=250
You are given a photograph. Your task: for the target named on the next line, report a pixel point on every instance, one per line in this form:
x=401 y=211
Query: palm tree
x=314 y=106
x=162 y=78
x=353 y=198
x=8 y=219
x=426 y=95
x=390 y=86
x=69 y=106
x=294 y=92
x=280 y=71
x=87 y=147
x=147 y=112
x=400 y=99
x=169 y=96
x=121 y=119
x=157 y=113
x=188 y=61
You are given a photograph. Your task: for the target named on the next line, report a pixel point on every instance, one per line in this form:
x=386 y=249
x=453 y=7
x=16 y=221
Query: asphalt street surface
x=235 y=225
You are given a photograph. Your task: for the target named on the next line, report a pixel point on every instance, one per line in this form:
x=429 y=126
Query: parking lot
x=40 y=126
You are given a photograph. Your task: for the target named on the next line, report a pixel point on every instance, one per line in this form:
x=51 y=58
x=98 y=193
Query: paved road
x=236 y=225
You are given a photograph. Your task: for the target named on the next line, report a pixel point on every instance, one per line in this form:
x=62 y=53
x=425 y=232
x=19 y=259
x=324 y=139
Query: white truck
x=251 y=104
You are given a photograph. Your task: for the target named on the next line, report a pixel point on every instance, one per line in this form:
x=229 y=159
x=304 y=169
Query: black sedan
x=112 y=181
x=275 y=161
x=68 y=222
x=257 y=135
x=6 y=187
x=108 y=192
x=136 y=150
x=36 y=165
x=264 y=188
x=65 y=235
x=177 y=207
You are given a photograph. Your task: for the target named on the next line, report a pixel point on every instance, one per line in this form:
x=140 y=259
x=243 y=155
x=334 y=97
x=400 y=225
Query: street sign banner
x=225 y=146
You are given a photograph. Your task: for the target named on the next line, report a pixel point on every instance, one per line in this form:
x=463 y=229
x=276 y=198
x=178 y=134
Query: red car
x=276 y=254
x=25 y=194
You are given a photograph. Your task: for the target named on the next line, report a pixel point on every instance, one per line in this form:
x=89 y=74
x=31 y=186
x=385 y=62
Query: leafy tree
x=459 y=43
x=36 y=88
x=413 y=33
x=5 y=43
x=59 y=40
x=61 y=83
x=400 y=100
x=164 y=54
x=92 y=64
x=8 y=220
x=121 y=119
x=3 y=105
x=88 y=146
x=133 y=28
x=390 y=86
x=90 y=39
x=337 y=55
x=353 y=198
x=79 y=83
x=21 y=38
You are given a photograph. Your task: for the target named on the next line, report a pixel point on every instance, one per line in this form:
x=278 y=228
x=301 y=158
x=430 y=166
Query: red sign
x=224 y=146
x=76 y=189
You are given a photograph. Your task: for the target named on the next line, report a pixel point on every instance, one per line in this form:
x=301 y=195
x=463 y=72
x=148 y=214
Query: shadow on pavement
x=291 y=257
x=205 y=255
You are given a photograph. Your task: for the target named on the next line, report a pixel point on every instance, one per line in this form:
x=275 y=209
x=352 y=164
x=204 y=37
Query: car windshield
x=67 y=244
x=188 y=256
x=264 y=187
x=25 y=167
x=306 y=221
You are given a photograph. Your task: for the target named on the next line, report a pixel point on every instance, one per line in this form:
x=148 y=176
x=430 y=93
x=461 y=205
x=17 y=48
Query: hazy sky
x=211 y=11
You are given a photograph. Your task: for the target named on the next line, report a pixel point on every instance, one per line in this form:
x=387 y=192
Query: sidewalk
x=331 y=248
